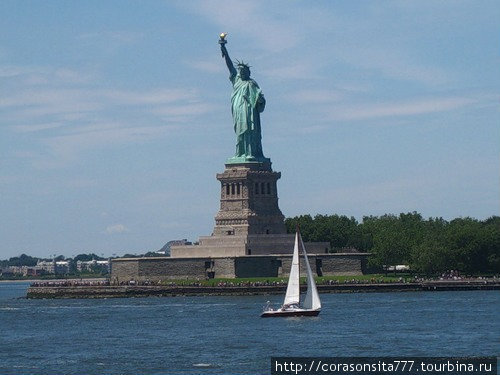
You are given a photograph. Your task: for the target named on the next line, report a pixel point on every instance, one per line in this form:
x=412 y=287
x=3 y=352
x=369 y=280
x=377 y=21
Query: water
x=225 y=335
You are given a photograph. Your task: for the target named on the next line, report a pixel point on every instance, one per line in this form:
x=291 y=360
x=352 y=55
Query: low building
x=92 y=265
x=164 y=268
x=54 y=267
x=7 y=272
x=22 y=270
x=32 y=271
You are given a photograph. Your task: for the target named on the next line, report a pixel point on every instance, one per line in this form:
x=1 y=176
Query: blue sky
x=115 y=115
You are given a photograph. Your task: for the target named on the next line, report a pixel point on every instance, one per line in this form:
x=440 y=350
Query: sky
x=115 y=115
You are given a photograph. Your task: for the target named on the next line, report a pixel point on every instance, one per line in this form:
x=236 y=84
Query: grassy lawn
x=380 y=278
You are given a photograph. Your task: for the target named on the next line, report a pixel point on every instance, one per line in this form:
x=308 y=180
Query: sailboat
x=311 y=306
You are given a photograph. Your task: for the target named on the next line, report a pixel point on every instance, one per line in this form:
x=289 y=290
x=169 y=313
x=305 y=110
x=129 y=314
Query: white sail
x=311 y=300
x=293 y=289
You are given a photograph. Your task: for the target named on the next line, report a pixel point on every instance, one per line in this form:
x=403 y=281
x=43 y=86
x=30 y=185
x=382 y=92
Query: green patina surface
x=247 y=103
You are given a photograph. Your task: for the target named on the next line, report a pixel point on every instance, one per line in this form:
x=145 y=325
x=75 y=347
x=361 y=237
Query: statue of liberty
x=247 y=102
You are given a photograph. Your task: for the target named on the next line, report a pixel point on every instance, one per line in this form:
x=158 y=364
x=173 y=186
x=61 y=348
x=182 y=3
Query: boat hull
x=285 y=313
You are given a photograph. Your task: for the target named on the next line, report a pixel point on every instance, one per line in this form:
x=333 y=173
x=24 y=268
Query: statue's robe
x=247 y=102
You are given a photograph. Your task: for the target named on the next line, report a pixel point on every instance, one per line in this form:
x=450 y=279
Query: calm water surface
x=224 y=335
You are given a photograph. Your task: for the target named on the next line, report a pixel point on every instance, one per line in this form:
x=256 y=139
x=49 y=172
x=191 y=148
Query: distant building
x=53 y=266
x=6 y=272
x=22 y=270
x=47 y=266
x=32 y=271
x=91 y=265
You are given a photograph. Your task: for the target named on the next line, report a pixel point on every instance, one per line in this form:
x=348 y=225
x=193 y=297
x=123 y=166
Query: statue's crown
x=242 y=64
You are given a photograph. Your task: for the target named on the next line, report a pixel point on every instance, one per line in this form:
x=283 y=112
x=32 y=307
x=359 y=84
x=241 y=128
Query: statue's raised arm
x=225 y=55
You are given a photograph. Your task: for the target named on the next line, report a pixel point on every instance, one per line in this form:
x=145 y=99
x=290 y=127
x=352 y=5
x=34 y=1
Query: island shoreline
x=126 y=291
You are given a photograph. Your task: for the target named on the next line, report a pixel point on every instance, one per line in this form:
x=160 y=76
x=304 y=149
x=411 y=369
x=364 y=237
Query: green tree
x=23 y=260
x=305 y=223
x=463 y=236
x=388 y=241
x=339 y=231
x=430 y=254
x=491 y=237
x=87 y=257
x=429 y=246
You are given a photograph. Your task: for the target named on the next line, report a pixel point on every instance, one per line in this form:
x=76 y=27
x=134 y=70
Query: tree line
x=429 y=246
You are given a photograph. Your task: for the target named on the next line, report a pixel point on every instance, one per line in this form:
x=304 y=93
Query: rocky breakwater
x=123 y=291
x=104 y=290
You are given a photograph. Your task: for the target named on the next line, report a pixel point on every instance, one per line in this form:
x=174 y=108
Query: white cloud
x=13 y=71
x=296 y=32
x=329 y=107
x=211 y=66
x=298 y=69
x=66 y=146
x=316 y=96
x=393 y=62
x=120 y=37
x=116 y=228
x=60 y=100
x=37 y=127
x=403 y=108
x=41 y=75
x=273 y=33
x=311 y=129
x=70 y=117
x=154 y=97
x=189 y=109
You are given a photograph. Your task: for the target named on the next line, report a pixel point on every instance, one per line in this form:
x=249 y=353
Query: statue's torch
x=222 y=40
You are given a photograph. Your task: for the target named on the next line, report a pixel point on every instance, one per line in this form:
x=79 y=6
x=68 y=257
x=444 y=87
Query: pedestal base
x=249 y=221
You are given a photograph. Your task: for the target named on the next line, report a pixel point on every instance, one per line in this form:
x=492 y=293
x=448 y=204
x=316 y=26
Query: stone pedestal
x=249 y=201
x=249 y=221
